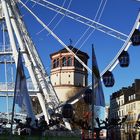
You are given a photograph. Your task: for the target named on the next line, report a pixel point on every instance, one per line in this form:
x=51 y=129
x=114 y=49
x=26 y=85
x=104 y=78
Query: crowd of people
x=39 y=126
x=30 y=127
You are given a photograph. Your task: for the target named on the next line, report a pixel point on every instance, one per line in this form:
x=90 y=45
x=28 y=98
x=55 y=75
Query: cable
x=61 y=18
x=83 y=20
x=51 y=19
x=35 y=3
x=91 y=24
x=32 y=5
x=94 y=28
x=56 y=26
x=25 y=3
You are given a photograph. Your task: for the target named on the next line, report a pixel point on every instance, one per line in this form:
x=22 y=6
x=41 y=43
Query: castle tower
x=67 y=75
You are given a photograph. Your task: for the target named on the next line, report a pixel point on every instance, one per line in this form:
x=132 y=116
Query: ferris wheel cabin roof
x=73 y=49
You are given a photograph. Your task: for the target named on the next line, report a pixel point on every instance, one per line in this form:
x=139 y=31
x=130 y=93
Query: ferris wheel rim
x=125 y=47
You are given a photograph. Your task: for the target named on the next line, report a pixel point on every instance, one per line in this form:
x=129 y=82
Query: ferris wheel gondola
x=136 y=38
x=67 y=111
x=108 y=79
x=125 y=46
x=124 y=59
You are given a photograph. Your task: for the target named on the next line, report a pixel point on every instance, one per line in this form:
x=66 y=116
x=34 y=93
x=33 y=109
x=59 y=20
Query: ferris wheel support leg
x=28 y=104
x=42 y=104
x=10 y=31
x=39 y=76
x=28 y=65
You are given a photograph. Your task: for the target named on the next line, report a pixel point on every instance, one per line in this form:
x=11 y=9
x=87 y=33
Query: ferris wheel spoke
x=52 y=20
x=84 y=20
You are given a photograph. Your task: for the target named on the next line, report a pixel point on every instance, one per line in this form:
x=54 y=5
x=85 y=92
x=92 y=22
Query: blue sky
x=119 y=15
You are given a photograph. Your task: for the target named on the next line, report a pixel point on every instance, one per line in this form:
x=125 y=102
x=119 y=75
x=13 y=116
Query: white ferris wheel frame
x=70 y=14
x=111 y=65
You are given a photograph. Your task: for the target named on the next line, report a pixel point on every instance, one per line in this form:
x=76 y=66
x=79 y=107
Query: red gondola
x=124 y=59
x=136 y=38
x=108 y=79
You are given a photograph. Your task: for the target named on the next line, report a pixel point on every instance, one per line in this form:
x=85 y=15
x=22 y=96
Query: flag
x=98 y=90
x=98 y=106
x=22 y=98
x=20 y=84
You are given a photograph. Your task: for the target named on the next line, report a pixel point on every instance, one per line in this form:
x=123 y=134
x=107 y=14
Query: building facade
x=126 y=102
x=67 y=75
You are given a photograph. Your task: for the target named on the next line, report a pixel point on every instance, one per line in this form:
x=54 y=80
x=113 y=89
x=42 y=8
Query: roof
x=75 y=50
x=127 y=90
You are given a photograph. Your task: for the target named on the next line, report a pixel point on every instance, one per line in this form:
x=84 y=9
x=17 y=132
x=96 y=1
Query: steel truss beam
x=17 y=31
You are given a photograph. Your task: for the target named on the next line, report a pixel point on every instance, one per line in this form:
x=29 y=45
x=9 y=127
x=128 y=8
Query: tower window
x=77 y=64
x=54 y=63
x=69 y=61
x=57 y=63
x=64 y=62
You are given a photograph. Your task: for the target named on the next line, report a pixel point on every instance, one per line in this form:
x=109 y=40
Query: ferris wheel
x=18 y=34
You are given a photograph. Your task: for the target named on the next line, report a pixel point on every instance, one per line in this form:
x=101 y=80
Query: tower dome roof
x=73 y=49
